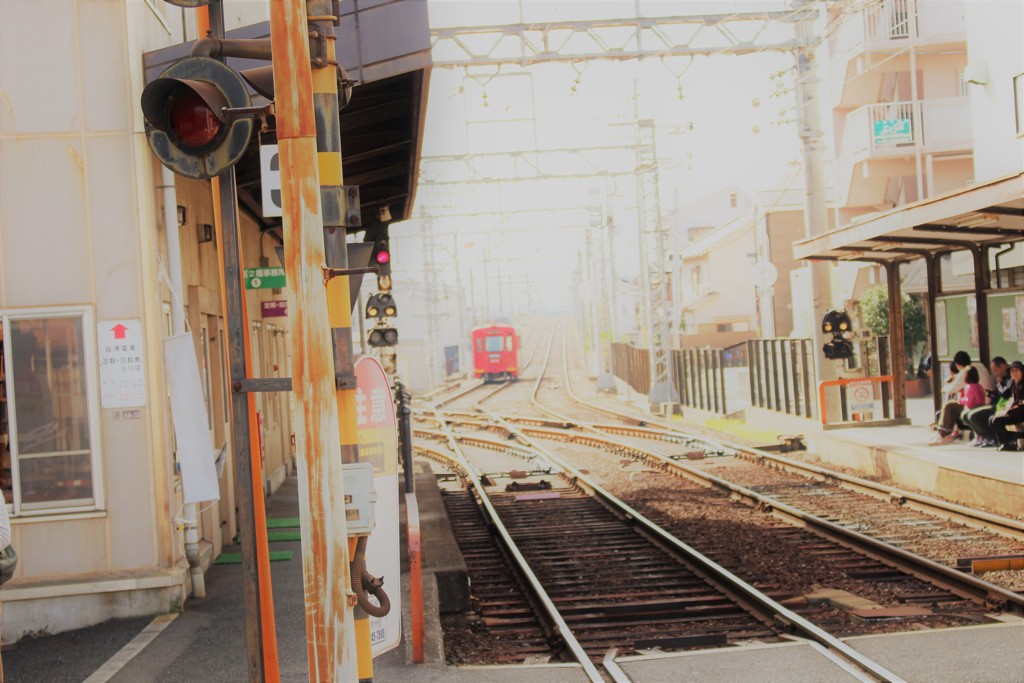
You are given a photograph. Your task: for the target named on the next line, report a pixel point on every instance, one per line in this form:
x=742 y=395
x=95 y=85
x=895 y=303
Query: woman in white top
x=962 y=361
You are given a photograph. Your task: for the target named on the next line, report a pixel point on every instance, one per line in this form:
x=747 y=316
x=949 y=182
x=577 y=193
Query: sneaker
x=942 y=440
x=977 y=443
x=989 y=443
x=1006 y=447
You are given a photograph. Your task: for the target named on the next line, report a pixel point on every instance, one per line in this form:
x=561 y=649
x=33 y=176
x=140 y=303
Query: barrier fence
x=633 y=366
x=772 y=374
x=782 y=375
x=701 y=376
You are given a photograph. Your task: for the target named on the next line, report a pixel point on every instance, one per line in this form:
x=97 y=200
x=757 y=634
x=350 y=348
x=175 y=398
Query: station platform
x=897 y=455
x=206 y=640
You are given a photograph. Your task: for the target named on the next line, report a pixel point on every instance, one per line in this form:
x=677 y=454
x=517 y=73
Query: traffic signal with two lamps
x=383 y=336
x=837 y=323
x=381 y=306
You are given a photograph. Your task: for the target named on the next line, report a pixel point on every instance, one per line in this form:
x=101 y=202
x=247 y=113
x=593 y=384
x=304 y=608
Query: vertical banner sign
x=122 y=379
x=1019 y=303
x=972 y=324
x=270 y=180
x=191 y=428
x=941 y=340
x=378 y=445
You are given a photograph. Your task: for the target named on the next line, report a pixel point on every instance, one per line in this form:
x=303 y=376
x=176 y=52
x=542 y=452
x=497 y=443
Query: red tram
x=495 y=353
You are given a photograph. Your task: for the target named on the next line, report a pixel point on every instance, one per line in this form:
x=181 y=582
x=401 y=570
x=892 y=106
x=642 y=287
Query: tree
x=874 y=311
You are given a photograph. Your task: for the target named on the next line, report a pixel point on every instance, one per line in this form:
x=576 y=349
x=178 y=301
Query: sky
x=720 y=120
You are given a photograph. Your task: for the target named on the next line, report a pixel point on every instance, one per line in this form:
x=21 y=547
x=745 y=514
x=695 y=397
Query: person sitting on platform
x=1014 y=413
x=971 y=396
x=977 y=419
x=962 y=361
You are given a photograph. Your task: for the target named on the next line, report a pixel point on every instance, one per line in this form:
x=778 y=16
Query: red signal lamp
x=192 y=121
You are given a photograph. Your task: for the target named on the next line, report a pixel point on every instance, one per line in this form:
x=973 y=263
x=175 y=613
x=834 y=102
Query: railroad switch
x=542 y=485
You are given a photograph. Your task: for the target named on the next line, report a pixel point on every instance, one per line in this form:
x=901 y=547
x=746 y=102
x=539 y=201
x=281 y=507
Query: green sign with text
x=264 y=278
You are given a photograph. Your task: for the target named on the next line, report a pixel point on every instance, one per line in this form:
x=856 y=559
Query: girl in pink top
x=972 y=395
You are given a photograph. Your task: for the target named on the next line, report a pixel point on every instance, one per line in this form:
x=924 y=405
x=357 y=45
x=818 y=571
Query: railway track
x=611 y=582
x=914 y=591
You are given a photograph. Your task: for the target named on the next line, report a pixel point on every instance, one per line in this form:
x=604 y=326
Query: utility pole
x=603 y=282
x=653 y=245
x=430 y=295
x=460 y=303
x=815 y=203
x=322 y=390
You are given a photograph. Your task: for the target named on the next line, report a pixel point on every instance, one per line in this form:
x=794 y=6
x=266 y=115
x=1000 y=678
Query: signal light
x=190 y=124
x=191 y=120
x=381 y=257
x=383 y=336
x=837 y=323
x=381 y=306
x=838 y=349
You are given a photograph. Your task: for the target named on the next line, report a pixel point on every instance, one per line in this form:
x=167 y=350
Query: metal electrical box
x=360 y=497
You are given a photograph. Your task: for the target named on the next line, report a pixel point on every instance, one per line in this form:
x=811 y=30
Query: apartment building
x=901 y=114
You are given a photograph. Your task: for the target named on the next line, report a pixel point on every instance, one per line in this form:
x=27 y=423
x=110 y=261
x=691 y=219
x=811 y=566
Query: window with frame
x=49 y=413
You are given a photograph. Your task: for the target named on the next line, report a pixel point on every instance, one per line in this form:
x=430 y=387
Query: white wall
x=994 y=43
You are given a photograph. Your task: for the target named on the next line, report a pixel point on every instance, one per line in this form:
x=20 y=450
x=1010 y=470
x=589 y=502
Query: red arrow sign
x=119 y=331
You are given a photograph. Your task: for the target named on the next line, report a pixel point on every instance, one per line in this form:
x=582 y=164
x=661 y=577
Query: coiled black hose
x=365 y=584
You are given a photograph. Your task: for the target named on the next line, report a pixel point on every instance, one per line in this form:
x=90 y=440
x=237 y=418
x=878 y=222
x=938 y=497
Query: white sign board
x=194 y=447
x=122 y=378
x=270 y=180
x=378 y=445
x=861 y=396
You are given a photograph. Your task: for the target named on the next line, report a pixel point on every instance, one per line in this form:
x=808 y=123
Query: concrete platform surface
x=992 y=653
x=783 y=663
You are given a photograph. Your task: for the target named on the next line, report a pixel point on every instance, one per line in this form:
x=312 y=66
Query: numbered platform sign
x=378 y=445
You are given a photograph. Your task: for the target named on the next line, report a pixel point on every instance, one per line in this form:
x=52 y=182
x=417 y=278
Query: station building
x=101 y=251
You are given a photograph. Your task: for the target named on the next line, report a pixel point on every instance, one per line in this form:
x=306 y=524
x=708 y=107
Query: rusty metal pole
x=330 y=633
x=338 y=214
x=260 y=631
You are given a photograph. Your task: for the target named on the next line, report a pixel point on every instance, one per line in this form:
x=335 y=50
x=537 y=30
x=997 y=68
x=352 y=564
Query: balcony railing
x=890 y=20
x=936 y=125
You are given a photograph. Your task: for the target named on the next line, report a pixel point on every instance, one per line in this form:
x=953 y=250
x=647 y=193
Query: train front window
x=494 y=344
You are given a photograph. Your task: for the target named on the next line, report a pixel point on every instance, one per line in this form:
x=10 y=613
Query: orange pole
x=271 y=668
x=329 y=601
x=415 y=576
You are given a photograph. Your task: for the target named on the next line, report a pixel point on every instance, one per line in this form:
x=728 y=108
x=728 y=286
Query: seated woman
x=977 y=419
x=972 y=395
x=1014 y=414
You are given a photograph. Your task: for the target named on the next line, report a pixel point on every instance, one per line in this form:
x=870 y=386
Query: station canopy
x=990 y=213
x=386 y=50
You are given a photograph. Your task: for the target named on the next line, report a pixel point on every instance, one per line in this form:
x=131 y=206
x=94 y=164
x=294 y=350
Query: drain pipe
x=188 y=514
